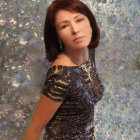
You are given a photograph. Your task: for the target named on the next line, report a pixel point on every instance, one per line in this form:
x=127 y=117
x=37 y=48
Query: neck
x=78 y=56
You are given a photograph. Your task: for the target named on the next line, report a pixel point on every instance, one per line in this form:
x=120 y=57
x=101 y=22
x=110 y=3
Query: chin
x=81 y=45
x=84 y=45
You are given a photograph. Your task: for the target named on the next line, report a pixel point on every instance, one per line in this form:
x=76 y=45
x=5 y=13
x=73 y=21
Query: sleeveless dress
x=79 y=88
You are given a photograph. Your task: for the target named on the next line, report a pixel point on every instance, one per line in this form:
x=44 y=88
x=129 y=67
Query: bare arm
x=44 y=111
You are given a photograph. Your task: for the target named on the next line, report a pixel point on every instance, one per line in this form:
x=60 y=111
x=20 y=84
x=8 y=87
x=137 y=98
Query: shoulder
x=59 y=61
x=62 y=60
x=58 y=67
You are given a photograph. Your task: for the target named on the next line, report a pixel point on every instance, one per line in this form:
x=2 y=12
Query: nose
x=74 y=28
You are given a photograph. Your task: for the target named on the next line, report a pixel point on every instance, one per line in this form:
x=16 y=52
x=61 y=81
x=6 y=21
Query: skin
x=44 y=111
x=75 y=25
x=69 y=26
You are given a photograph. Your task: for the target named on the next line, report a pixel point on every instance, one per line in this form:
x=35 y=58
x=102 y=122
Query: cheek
x=64 y=35
x=64 y=38
x=90 y=30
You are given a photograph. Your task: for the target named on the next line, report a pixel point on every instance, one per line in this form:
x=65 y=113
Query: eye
x=64 y=26
x=80 y=19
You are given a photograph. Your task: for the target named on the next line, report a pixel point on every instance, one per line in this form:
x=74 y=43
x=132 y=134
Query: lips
x=78 y=38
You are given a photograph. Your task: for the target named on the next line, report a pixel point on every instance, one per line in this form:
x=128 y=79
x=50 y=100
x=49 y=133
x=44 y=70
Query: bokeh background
x=23 y=66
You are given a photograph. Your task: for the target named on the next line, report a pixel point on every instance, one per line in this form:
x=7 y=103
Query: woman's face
x=73 y=29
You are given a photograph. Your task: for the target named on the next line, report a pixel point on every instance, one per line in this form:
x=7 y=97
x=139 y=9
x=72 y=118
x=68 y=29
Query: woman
x=72 y=86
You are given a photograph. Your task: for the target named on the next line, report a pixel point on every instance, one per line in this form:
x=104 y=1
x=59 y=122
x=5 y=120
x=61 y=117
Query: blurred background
x=23 y=66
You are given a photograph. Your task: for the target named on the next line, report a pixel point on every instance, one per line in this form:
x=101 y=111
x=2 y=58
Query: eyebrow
x=64 y=21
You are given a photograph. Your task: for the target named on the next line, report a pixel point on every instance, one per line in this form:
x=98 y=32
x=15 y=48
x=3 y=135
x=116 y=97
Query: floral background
x=23 y=66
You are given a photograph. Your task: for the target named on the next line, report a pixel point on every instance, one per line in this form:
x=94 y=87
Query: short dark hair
x=50 y=34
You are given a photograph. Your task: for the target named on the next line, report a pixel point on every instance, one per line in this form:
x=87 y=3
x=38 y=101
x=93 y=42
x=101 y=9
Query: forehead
x=64 y=14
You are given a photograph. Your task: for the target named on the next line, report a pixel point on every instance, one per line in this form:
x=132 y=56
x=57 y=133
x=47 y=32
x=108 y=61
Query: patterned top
x=79 y=88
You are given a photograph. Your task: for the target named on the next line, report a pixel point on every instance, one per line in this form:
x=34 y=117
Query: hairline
x=66 y=21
